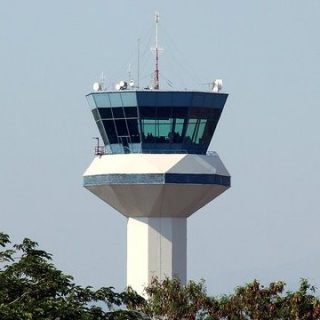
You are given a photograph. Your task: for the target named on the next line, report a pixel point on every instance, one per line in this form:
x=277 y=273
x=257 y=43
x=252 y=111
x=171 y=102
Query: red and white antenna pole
x=156 y=84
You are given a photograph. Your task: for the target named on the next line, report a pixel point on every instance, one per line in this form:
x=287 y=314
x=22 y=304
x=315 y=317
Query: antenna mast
x=138 y=67
x=156 y=81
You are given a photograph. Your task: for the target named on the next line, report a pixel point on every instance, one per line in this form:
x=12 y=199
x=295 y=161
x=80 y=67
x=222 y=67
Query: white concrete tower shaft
x=156 y=247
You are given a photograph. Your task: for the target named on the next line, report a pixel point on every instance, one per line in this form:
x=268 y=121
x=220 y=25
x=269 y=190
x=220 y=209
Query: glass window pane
x=164 y=113
x=91 y=101
x=121 y=127
x=115 y=99
x=117 y=148
x=146 y=98
x=135 y=147
x=102 y=132
x=149 y=130
x=118 y=113
x=105 y=113
x=180 y=112
x=101 y=100
x=130 y=112
x=148 y=112
x=190 y=130
x=133 y=130
x=198 y=113
x=178 y=130
x=208 y=131
x=164 y=133
x=179 y=126
x=181 y=99
x=129 y=98
x=110 y=130
x=96 y=115
x=202 y=125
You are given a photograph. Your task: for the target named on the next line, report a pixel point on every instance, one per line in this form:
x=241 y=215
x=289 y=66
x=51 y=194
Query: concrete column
x=156 y=247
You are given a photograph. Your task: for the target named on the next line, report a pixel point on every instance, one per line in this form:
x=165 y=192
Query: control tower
x=155 y=169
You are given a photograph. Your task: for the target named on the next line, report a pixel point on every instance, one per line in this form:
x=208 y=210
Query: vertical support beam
x=156 y=247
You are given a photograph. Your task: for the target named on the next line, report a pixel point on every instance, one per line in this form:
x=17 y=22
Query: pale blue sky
x=267 y=53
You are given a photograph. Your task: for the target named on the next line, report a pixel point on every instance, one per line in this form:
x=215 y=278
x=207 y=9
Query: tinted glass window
x=121 y=127
x=105 y=113
x=133 y=130
x=164 y=113
x=180 y=112
x=200 y=130
x=130 y=112
x=147 y=98
x=182 y=99
x=208 y=131
x=164 y=131
x=129 y=98
x=177 y=130
x=149 y=130
x=96 y=115
x=102 y=132
x=115 y=99
x=110 y=131
x=148 y=112
x=102 y=100
x=91 y=101
x=190 y=131
x=118 y=113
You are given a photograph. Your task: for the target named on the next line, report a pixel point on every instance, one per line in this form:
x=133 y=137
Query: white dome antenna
x=97 y=86
x=217 y=85
x=122 y=85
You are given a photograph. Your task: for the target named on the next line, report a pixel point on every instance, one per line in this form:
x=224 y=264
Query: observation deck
x=154 y=121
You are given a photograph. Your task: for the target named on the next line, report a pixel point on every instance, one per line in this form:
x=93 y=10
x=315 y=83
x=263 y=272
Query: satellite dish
x=123 y=85
x=118 y=87
x=97 y=86
x=217 y=85
x=131 y=83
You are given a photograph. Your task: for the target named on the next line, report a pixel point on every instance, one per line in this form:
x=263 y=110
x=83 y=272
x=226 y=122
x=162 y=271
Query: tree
x=32 y=288
x=169 y=299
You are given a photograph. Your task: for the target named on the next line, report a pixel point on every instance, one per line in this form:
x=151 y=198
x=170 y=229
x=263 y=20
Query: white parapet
x=156 y=247
x=157 y=185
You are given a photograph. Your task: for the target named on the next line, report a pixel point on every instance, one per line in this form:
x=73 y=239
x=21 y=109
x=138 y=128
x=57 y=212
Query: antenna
x=102 y=80
x=129 y=72
x=138 y=65
x=156 y=49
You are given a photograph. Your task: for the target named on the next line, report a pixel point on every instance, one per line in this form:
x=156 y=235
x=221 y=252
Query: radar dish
x=97 y=86
x=217 y=85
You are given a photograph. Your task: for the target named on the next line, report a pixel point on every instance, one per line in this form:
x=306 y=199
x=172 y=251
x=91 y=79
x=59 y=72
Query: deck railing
x=101 y=151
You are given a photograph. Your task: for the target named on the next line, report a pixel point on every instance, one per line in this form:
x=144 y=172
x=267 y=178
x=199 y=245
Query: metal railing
x=101 y=151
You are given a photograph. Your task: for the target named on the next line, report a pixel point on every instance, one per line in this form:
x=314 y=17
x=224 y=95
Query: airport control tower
x=155 y=169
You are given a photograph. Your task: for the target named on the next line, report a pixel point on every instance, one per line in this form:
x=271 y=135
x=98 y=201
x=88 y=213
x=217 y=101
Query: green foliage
x=32 y=288
x=170 y=300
